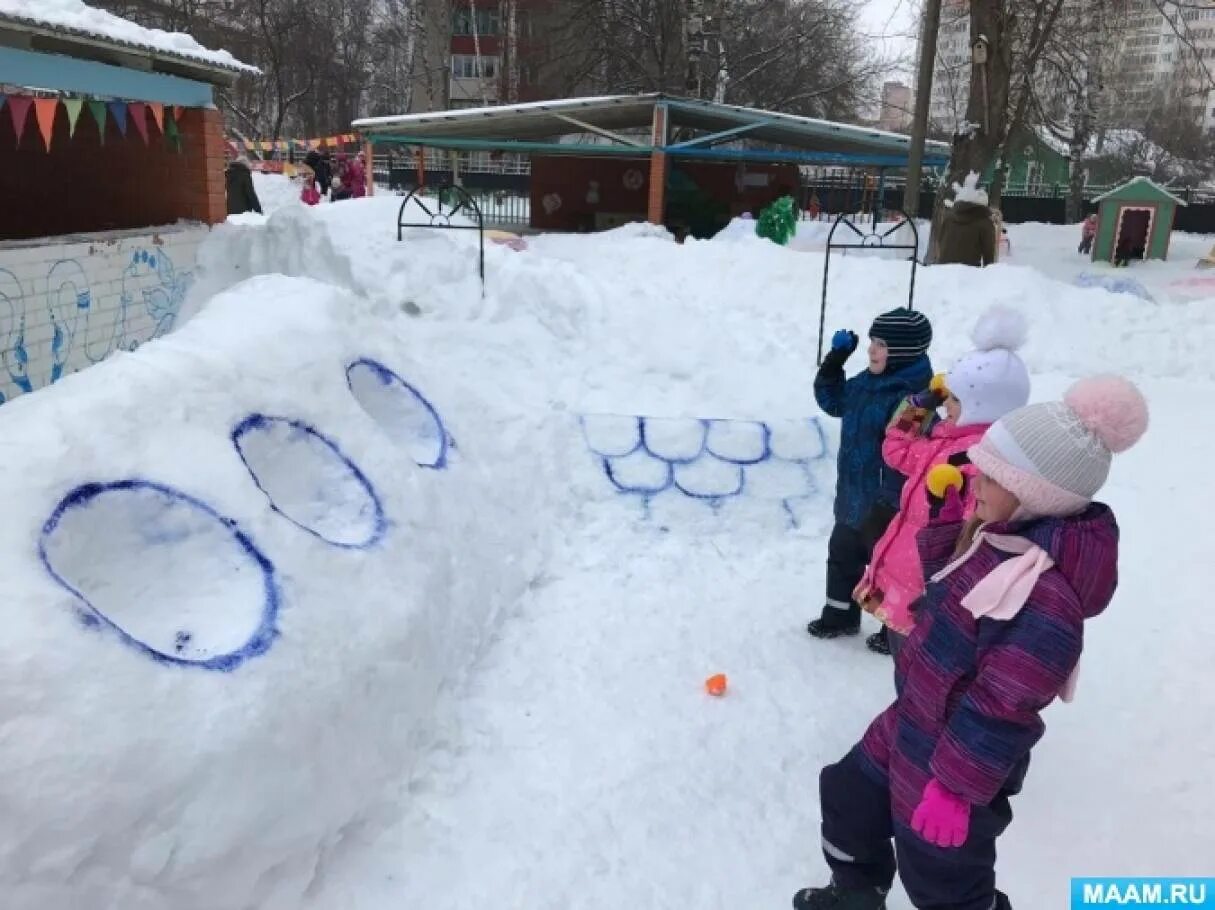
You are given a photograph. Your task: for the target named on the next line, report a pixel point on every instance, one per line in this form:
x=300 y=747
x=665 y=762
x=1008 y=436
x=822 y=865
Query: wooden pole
x=923 y=101
x=657 y=209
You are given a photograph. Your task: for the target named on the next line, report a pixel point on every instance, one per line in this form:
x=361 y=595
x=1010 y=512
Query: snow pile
x=968 y=191
x=73 y=15
x=274 y=192
x=249 y=599
x=629 y=457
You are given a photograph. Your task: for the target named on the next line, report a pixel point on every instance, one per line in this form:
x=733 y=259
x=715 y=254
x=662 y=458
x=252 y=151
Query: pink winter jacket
x=894 y=569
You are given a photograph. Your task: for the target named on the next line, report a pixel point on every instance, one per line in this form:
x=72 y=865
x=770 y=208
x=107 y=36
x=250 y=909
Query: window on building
x=464 y=66
x=488 y=22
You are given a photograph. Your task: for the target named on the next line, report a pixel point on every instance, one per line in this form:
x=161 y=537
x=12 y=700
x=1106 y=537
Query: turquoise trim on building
x=843 y=159
x=69 y=74
x=500 y=145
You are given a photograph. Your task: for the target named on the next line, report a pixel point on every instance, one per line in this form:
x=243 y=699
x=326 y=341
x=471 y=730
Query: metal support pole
x=369 y=167
x=929 y=27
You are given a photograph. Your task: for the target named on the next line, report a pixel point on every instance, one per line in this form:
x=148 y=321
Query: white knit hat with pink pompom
x=1054 y=457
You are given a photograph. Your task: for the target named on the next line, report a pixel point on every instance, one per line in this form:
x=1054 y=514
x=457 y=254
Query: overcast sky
x=892 y=23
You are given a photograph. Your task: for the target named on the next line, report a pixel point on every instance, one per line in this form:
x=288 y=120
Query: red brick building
x=111 y=172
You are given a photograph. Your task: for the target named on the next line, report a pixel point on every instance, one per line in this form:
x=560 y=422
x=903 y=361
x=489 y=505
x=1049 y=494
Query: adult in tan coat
x=968 y=235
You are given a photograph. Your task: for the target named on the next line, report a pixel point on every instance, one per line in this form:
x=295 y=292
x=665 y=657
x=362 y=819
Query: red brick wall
x=570 y=179
x=83 y=184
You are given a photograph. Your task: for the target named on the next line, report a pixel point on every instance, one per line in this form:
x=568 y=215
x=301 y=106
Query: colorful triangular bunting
x=118 y=110
x=19 y=110
x=172 y=134
x=139 y=117
x=158 y=114
x=73 y=106
x=44 y=111
x=98 y=110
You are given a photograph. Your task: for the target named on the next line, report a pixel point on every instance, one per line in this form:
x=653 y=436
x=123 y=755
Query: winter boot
x=835 y=622
x=878 y=643
x=834 y=897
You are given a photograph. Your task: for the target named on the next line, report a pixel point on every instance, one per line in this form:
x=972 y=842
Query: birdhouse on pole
x=978 y=50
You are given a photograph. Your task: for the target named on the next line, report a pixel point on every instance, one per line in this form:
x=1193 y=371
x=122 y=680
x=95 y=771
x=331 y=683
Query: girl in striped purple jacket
x=997 y=638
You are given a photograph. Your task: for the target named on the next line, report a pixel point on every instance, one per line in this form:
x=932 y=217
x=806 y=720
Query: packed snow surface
x=507 y=533
x=80 y=17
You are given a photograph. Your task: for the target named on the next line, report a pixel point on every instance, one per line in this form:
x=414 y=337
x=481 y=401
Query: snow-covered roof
x=1116 y=141
x=74 y=18
x=1152 y=183
x=544 y=120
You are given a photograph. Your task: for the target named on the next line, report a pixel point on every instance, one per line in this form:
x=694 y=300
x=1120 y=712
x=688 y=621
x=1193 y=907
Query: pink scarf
x=1003 y=591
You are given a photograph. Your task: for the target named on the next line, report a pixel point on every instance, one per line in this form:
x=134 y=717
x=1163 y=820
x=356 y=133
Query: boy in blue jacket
x=867 y=491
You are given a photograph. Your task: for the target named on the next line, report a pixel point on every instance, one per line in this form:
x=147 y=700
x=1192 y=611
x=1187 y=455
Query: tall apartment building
x=1151 y=64
x=951 y=75
x=496 y=52
x=896 y=111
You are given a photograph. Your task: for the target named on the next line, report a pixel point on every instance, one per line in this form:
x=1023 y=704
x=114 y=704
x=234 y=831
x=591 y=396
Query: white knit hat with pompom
x=1054 y=457
x=991 y=380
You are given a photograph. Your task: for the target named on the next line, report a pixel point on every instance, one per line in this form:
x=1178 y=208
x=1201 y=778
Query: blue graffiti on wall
x=709 y=460
x=401 y=411
x=151 y=295
x=310 y=481
x=160 y=521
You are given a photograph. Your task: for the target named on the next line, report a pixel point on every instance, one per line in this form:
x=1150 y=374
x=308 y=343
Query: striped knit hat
x=1055 y=456
x=907 y=335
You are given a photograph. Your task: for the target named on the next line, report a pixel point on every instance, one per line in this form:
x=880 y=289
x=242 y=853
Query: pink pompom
x=1111 y=408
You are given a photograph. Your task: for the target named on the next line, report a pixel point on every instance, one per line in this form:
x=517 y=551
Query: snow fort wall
x=69 y=303
x=237 y=586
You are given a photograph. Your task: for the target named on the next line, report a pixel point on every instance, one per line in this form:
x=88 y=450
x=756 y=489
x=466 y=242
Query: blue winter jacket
x=865 y=403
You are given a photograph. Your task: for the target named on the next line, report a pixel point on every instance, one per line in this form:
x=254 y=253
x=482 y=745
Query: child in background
x=309 y=195
x=981 y=388
x=1088 y=233
x=867 y=492
x=997 y=638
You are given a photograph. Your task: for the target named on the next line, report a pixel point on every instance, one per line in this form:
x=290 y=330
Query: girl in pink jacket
x=982 y=387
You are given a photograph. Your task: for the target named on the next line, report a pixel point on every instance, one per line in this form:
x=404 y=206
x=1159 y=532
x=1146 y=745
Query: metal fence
x=503 y=188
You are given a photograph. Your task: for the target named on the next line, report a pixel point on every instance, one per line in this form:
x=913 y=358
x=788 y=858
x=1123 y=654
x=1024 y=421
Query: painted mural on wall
x=64 y=306
x=710 y=461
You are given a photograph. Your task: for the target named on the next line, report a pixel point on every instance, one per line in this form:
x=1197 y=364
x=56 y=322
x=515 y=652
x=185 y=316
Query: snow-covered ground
x=525 y=645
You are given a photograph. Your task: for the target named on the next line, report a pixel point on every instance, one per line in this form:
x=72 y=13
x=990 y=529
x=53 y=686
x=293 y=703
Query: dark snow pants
x=858 y=829
x=847 y=556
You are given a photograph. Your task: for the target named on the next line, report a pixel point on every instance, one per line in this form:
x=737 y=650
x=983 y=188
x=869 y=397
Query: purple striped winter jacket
x=970 y=690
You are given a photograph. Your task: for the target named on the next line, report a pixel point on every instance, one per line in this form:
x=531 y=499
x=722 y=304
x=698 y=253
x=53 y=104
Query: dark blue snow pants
x=858 y=829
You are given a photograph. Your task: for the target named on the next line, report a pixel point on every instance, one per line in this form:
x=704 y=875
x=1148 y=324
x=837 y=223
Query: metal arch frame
x=874 y=240
x=441 y=220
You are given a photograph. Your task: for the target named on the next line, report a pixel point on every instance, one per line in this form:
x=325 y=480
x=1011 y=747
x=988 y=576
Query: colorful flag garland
x=135 y=113
x=284 y=145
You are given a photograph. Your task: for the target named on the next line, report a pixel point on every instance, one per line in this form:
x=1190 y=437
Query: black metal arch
x=441 y=219
x=873 y=240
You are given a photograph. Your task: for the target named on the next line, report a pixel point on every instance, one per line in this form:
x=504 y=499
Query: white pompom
x=1000 y=328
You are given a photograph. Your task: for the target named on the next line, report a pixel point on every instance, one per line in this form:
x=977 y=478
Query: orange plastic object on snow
x=716 y=684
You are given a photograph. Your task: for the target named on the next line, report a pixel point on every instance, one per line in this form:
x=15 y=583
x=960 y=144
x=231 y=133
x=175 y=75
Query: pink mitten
x=942 y=818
